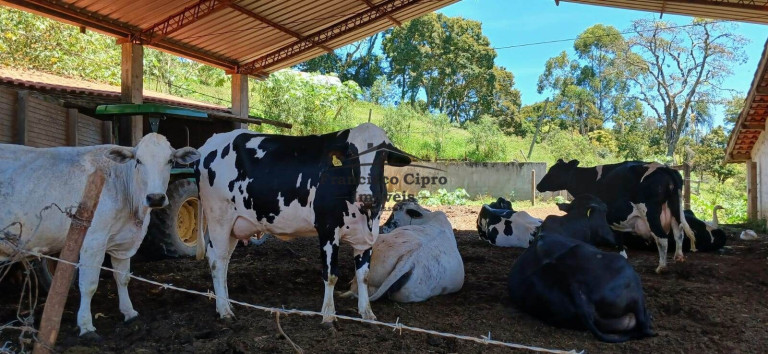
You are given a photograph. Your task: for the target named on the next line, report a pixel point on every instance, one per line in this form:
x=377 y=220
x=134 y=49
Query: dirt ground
x=712 y=303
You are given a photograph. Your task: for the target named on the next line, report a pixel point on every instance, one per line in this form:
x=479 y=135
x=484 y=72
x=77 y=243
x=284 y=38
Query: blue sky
x=511 y=22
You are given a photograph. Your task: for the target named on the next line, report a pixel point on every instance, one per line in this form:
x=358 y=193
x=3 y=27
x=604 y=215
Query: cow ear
x=573 y=163
x=186 y=155
x=560 y=161
x=120 y=154
x=564 y=206
x=413 y=213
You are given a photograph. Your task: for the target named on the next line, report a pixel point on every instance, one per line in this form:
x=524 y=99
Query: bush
x=443 y=197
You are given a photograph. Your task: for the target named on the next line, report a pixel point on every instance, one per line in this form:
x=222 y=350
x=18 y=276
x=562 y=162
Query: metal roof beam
x=273 y=24
x=259 y=65
x=390 y=17
x=177 y=21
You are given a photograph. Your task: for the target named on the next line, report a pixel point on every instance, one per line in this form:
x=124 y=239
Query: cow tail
x=677 y=198
x=201 y=241
x=395 y=281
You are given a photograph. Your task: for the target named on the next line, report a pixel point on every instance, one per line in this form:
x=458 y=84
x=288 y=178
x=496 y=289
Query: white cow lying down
x=415 y=258
x=136 y=179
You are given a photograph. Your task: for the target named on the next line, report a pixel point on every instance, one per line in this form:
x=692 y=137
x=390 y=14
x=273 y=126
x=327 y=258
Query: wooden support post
x=131 y=91
x=370 y=111
x=21 y=117
x=687 y=185
x=752 y=190
x=72 y=126
x=57 y=296
x=106 y=133
x=533 y=187
x=240 y=106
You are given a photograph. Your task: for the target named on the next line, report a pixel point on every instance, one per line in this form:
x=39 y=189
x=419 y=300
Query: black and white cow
x=642 y=198
x=709 y=238
x=331 y=186
x=500 y=225
x=569 y=283
x=415 y=257
x=32 y=179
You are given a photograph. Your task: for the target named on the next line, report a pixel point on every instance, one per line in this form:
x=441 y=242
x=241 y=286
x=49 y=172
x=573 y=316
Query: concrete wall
x=494 y=178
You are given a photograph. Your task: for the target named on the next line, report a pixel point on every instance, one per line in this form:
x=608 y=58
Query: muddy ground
x=712 y=303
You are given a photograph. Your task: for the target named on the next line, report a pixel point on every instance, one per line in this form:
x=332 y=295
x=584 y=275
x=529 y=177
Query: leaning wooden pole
x=687 y=185
x=533 y=187
x=538 y=127
x=57 y=296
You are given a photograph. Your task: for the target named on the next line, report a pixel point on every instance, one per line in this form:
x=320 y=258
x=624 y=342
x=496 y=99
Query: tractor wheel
x=172 y=230
x=45 y=269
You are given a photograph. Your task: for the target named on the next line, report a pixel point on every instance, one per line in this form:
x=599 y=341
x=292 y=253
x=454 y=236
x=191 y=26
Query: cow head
x=405 y=213
x=595 y=211
x=152 y=160
x=557 y=177
x=374 y=149
x=501 y=203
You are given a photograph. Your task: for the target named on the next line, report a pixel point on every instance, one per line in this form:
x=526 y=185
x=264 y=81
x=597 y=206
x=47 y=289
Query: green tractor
x=172 y=230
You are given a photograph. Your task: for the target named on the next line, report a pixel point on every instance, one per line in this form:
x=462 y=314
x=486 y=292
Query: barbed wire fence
x=25 y=319
x=25 y=311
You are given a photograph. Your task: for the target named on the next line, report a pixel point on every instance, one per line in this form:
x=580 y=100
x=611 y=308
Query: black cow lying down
x=569 y=283
x=642 y=198
x=708 y=237
x=592 y=232
x=502 y=226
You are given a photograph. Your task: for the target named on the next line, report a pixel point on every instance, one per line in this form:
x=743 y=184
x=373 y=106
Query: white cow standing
x=415 y=258
x=136 y=180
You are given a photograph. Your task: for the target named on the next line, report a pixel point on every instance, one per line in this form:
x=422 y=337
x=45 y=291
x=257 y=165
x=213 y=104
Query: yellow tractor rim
x=186 y=222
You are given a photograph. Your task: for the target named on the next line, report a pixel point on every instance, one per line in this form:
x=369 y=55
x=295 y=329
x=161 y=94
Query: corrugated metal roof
x=753 y=11
x=233 y=33
x=752 y=120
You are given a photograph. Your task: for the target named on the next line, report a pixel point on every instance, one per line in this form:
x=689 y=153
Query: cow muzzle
x=156 y=200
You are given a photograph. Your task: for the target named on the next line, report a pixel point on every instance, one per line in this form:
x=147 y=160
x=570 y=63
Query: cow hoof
x=228 y=319
x=90 y=337
x=368 y=315
x=680 y=258
x=331 y=326
x=132 y=319
x=660 y=269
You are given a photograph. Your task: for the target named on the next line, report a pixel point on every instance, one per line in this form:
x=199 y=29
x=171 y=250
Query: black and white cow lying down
x=415 y=257
x=136 y=181
x=569 y=283
x=642 y=198
x=330 y=186
x=582 y=208
x=500 y=225
x=709 y=238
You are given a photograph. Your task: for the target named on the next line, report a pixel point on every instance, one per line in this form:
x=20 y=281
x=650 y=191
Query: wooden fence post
x=57 y=296
x=533 y=187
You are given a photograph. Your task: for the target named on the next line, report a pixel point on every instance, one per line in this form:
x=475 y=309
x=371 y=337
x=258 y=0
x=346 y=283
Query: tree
x=678 y=69
x=589 y=90
x=506 y=101
x=637 y=137
x=709 y=154
x=357 y=62
x=733 y=108
x=486 y=140
x=448 y=59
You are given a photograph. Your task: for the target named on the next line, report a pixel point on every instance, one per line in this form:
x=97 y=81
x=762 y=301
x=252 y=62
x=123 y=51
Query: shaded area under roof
x=254 y=37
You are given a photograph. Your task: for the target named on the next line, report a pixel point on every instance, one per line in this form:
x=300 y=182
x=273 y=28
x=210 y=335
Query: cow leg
x=661 y=245
x=220 y=248
x=657 y=230
x=678 y=234
x=91 y=258
x=123 y=267
x=362 y=266
x=329 y=253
